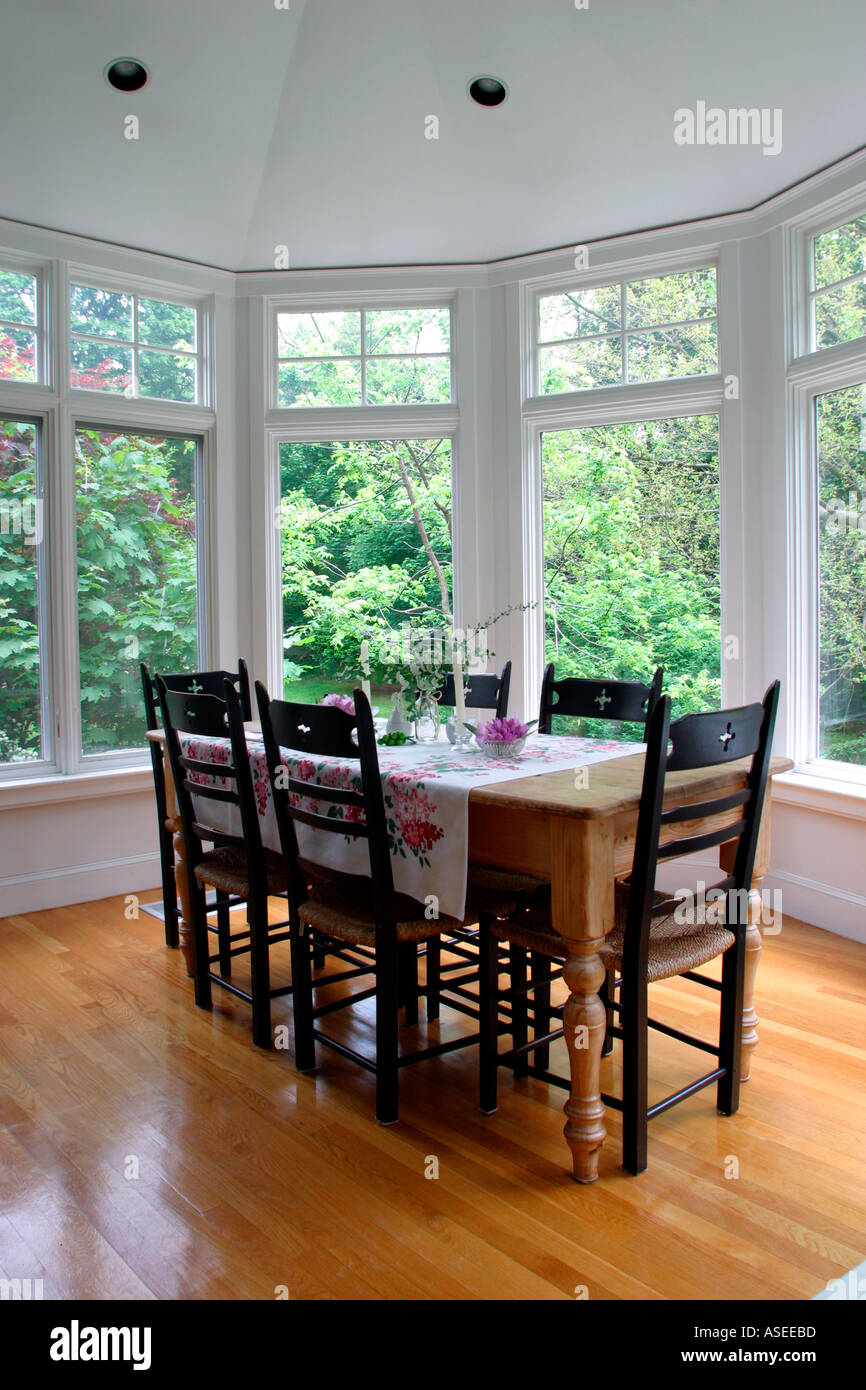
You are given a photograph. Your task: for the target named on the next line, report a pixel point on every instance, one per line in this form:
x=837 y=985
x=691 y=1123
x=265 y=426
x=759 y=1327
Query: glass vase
x=426 y=719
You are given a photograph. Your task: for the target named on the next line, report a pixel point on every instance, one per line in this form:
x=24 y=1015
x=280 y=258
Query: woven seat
x=673 y=946
x=351 y=917
x=227 y=869
x=499 y=892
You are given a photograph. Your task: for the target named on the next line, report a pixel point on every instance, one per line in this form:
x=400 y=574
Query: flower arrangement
x=417 y=660
x=503 y=737
x=343 y=702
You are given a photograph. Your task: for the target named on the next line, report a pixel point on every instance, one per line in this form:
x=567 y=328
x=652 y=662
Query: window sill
x=833 y=796
x=51 y=791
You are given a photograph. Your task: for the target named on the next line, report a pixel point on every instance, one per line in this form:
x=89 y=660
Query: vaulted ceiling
x=307 y=126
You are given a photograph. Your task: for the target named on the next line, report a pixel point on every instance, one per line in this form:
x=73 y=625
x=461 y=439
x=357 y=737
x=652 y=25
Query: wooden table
x=580 y=838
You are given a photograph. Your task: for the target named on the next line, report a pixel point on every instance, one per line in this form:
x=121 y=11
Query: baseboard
x=78 y=883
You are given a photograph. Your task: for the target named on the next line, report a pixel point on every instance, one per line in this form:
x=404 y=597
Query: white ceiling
x=306 y=126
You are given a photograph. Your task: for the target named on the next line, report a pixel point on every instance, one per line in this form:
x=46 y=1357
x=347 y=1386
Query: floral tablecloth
x=426 y=789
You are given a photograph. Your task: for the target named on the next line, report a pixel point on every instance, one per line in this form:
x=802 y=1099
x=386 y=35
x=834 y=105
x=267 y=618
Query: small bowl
x=504 y=750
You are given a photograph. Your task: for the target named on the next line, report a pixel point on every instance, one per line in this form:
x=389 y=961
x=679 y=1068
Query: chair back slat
x=481 y=692
x=328 y=732
x=210 y=768
x=578 y=698
x=697 y=741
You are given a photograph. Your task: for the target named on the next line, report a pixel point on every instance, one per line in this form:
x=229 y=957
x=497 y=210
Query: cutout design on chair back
x=211 y=683
x=481 y=692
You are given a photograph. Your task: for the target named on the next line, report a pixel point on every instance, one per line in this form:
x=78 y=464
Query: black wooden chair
x=238 y=866
x=206 y=682
x=654 y=938
x=622 y=701
x=360 y=918
x=480 y=692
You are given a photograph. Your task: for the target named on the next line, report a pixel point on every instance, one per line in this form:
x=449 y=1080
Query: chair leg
x=434 y=976
x=488 y=1004
x=201 y=945
x=407 y=953
x=319 y=956
x=387 y=1004
x=539 y=966
x=260 y=973
x=169 y=888
x=606 y=994
x=519 y=1024
x=730 y=1025
x=302 y=999
x=634 y=1076
x=224 y=933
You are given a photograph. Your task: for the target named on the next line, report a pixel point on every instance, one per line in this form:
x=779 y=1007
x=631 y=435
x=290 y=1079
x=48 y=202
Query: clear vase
x=426 y=719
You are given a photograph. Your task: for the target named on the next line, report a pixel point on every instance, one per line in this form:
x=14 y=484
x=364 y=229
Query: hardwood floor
x=147 y=1150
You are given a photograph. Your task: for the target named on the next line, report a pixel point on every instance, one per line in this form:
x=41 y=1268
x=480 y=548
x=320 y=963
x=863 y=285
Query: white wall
x=55 y=850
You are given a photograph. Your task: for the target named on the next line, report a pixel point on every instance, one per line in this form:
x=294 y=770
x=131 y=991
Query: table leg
x=754 y=942
x=582 y=900
x=175 y=825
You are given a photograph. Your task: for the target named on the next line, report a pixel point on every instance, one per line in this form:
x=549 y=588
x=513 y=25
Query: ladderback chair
x=658 y=936
x=238 y=866
x=361 y=918
x=196 y=682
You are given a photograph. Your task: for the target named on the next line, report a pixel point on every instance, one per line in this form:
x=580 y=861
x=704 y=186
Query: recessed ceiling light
x=126 y=74
x=487 y=91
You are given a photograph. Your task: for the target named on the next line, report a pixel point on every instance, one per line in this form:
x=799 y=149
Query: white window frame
x=61 y=408
x=637 y=270
x=619 y=404
x=357 y=303
x=140 y=288
x=31 y=265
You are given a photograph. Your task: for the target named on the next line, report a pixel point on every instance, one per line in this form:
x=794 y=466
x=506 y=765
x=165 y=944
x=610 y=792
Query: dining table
x=565 y=811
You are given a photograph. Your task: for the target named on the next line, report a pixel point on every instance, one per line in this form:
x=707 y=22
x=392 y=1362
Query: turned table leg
x=754 y=942
x=181 y=878
x=582 y=900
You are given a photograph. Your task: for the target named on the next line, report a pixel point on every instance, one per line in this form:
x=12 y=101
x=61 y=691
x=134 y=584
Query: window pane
x=579 y=313
x=574 y=366
x=17 y=296
x=631 y=555
x=840 y=252
x=100 y=312
x=408 y=330
x=162 y=324
x=670 y=352
x=100 y=367
x=166 y=376
x=20 y=538
x=397 y=381
x=690 y=294
x=137 y=574
x=17 y=354
x=319 y=383
x=840 y=314
x=357 y=558
x=841 y=443
x=332 y=334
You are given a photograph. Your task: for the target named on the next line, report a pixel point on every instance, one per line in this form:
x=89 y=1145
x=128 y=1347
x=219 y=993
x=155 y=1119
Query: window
x=133 y=346
x=23 y=733
x=366 y=547
x=627 y=332
x=838 y=286
x=363 y=357
x=19 y=336
x=137 y=573
x=840 y=434
x=632 y=556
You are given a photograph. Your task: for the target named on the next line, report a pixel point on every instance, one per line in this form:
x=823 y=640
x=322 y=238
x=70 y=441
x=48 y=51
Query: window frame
x=622 y=274
x=140 y=288
x=21 y=264
x=358 y=303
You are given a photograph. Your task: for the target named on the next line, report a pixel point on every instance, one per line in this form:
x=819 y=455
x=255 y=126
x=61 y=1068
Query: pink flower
x=502 y=731
x=343 y=702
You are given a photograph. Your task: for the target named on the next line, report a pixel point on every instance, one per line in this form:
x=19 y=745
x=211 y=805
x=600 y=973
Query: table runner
x=426 y=788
